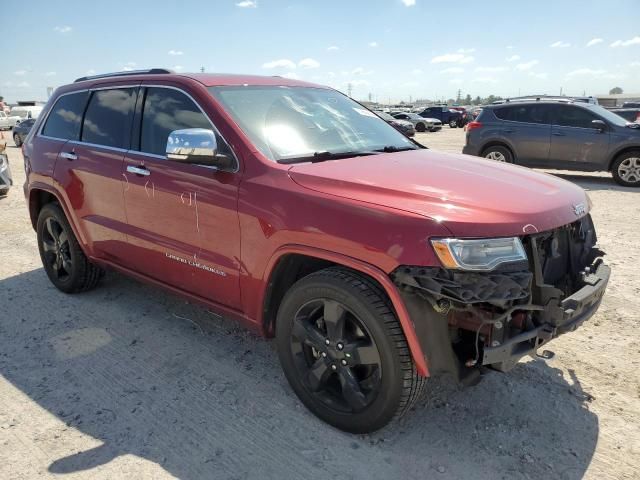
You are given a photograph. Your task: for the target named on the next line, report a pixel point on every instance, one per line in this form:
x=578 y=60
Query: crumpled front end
x=466 y=319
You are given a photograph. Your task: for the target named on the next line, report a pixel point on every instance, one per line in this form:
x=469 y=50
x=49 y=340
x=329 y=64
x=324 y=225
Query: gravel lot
x=127 y=380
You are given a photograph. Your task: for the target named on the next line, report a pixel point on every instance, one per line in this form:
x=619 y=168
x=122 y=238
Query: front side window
x=569 y=116
x=108 y=118
x=290 y=123
x=66 y=116
x=166 y=110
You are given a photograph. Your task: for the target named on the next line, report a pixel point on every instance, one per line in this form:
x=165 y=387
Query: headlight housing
x=483 y=254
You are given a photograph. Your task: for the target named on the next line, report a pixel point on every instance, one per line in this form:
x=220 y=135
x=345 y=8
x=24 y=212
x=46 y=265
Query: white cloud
x=626 y=43
x=539 y=76
x=20 y=72
x=359 y=83
x=491 y=69
x=331 y=74
x=23 y=85
x=128 y=66
x=456 y=81
x=594 y=41
x=409 y=3
x=416 y=71
x=247 y=4
x=175 y=52
x=361 y=71
x=63 y=29
x=282 y=63
x=466 y=50
x=527 y=65
x=510 y=47
x=308 y=63
x=178 y=68
x=452 y=58
x=634 y=64
x=91 y=71
x=50 y=74
x=560 y=44
x=513 y=58
x=586 y=72
x=333 y=48
x=452 y=70
x=373 y=44
x=291 y=75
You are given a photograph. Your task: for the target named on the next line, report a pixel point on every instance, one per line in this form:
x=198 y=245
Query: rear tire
x=64 y=261
x=357 y=392
x=499 y=154
x=420 y=127
x=626 y=169
x=453 y=124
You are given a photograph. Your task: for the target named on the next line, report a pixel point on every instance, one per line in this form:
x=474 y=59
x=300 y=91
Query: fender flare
x=71 y=219
x=366 y=269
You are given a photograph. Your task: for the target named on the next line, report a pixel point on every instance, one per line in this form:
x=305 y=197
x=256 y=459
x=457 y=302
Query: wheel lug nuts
x=324 y=354
x=327 y=342
x=340 y=346
x=344 y=363
x=333 y=367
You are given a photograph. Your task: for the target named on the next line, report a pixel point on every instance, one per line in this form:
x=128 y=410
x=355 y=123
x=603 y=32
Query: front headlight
x=482 y=254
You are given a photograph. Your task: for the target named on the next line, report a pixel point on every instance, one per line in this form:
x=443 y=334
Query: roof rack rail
x=125 y=73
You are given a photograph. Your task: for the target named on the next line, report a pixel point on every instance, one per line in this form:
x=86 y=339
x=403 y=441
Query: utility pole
x=201 y=69
x=370 y=96
x=459 y=96
x=349 y=89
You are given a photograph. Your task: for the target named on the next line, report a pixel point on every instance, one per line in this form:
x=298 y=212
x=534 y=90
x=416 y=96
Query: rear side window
x=66 y=116
x=108 y=118
x=166 y=110
x=569 y=116
x=524 y=113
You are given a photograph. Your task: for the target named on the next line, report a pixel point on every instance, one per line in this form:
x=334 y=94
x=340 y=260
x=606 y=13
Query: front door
x=182 y=219
x=575 y=143
x=527 y=129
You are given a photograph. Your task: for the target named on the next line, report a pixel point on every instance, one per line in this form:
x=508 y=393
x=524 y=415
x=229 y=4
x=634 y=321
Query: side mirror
x=197 y=146
x=599 y=125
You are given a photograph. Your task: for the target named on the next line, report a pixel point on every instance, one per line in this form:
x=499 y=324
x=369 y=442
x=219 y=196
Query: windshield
x=298 y=122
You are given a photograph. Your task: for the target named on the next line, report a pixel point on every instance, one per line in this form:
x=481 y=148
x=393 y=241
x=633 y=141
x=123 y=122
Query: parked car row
x=558 y=135
x=17 y=115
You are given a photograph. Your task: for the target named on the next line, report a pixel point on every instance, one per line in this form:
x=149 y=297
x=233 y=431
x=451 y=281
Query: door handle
x=558 y=134
x=69 y=155
x=138 y=170
x=509 y=131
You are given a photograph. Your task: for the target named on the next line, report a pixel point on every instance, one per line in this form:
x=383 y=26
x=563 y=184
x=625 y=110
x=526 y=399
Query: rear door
x=575 y=144
x=90 y=169
x=183 y=227
x=527 y=129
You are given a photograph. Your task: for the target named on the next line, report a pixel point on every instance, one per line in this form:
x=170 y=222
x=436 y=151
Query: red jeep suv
x=374 y=262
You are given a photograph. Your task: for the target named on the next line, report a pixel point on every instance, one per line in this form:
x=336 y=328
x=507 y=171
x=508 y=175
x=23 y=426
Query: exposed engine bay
x=466 y=319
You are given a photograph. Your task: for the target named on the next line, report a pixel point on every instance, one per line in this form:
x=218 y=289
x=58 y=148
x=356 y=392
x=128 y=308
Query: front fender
x=370 y=271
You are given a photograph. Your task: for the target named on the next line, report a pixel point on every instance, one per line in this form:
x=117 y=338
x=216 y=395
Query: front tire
x=453 y=123
x=344 y=353
x=626 y=169
x=16 y=140
x=64 y=261
x=420 y=127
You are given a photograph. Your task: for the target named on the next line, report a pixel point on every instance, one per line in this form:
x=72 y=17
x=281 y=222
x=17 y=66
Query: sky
x=393 y=50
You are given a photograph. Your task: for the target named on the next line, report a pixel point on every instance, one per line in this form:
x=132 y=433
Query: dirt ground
x=129 y=381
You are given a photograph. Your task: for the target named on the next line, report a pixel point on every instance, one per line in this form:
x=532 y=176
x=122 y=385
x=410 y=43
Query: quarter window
x=166 y=110
x=66 y=116
x=108 y=118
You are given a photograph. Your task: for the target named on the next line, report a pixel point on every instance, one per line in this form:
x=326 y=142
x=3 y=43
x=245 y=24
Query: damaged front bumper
x=466 y=319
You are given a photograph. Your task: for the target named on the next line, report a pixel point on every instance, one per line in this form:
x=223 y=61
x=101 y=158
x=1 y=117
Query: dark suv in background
x=447 y=116
x=560 y=135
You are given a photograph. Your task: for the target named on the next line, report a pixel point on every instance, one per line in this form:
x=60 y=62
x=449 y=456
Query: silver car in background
x=421 y=124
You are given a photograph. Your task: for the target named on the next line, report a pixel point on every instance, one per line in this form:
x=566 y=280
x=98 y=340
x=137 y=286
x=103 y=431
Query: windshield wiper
x=393 y=149
x=326 y=155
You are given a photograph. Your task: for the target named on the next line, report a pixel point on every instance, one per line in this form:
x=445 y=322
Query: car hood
x=470 y=196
